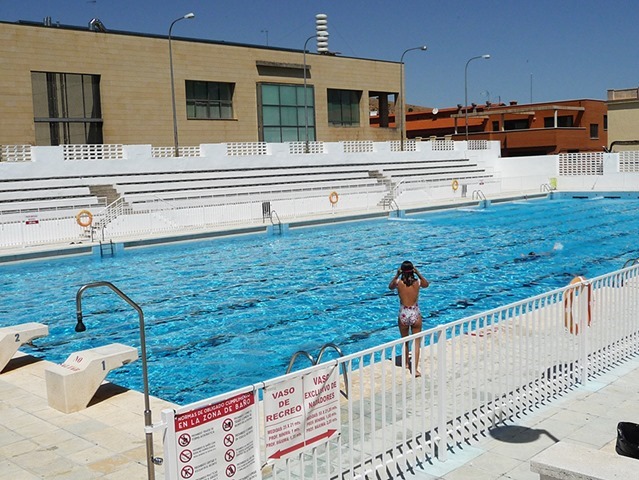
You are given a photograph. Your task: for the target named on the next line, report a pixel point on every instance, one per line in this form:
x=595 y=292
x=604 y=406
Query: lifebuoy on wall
x=455 y=185
x=570 y=322
x=84 y=218
x=333 y=198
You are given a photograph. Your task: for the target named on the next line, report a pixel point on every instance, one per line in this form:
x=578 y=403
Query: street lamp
x=486 y=57
x=148 y=421
x=321 y=33
x=402 y=124
x=175 y=129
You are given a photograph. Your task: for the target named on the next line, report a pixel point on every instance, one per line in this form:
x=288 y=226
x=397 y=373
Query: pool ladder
x=279 y=223
x=631 y=262
x=107 y=249
x=478 y=195
x=319 y=358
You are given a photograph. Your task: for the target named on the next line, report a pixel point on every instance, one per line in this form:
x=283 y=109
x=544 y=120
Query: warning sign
x=216 y=442
x=32 y=220
x=301 y=412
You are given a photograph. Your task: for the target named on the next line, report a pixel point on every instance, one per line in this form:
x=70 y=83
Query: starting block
x=12 y=338
x=71 y=385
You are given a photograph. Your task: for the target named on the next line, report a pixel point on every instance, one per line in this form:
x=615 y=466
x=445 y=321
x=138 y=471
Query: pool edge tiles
x=59 y=251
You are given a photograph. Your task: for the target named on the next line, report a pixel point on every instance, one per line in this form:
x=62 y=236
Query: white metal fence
x=160 y=215
x=475 y=372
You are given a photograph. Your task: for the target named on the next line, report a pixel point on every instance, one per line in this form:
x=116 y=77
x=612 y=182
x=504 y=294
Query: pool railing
x=475 y=373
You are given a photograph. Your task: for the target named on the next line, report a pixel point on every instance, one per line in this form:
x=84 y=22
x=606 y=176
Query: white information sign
x=216 y=442
x=301 y=412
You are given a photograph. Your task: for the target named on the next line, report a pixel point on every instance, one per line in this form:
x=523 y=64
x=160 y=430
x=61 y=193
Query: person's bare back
x=409 y=320
x=408 y=294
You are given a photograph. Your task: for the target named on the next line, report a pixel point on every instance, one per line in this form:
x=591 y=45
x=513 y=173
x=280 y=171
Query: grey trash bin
x=627 y=439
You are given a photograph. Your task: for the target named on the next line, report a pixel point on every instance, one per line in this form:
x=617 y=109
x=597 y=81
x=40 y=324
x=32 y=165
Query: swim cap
x=407 y=266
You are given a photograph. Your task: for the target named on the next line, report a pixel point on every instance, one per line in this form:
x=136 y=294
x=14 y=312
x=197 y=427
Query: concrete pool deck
x=106 y=440
x=585 y=416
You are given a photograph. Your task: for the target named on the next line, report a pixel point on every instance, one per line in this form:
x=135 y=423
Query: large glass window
x=209 y=100
x=343 y=107
x=562 y=121
x=518 y=124
x=66 y=108
x=285 y=116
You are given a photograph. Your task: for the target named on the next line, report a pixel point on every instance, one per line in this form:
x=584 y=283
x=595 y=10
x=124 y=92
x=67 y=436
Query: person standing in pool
x=408 y=281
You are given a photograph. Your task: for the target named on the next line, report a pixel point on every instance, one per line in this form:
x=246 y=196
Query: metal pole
x=306 y=149
x=466 y=90
x=148 y=421
x=402 y=116
x=531 y=87
x=175 y=129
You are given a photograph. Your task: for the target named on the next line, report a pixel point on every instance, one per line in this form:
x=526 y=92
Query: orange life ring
x=569 y=295
x=333 y=198
x=455 y=185
x=84 y=218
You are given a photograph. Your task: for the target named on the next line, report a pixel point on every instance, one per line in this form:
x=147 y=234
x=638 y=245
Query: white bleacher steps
x=43 y=194
x=71 y=385
x=13 y=337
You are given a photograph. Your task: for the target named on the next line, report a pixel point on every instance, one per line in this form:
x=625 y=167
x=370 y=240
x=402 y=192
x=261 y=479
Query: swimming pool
x=225 y=313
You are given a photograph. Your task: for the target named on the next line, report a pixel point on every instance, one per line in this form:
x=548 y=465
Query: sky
x=541 y=50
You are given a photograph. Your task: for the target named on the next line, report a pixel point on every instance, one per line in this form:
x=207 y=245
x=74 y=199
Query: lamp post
x=402 y=121
x=148 y=422
x=321 y=33
x=486 y=57
x=175 y=129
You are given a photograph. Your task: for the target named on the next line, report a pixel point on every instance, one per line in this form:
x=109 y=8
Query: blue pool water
x=225 y=313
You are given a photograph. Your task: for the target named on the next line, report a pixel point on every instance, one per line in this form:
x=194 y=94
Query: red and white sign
x=32 y=220
x=216 y=441
x=301 y=412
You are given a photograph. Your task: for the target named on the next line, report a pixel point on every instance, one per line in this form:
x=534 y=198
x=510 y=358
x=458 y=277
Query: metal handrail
x=279 y=222
x=478 y=195
x=151 y=461
x=545 y=187
x=297 y=354
x=396 y=187
x=319 y=357
x=341 y=354
x=630 y=262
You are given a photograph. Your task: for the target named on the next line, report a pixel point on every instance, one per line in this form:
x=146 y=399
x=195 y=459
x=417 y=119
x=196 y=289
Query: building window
x=285 y=116
x=605 y=123
x=594 y=131
x=209 y=100
x=495 y=125
x=343 y=107
x=562 y=121
x=383 y=102
x=520 y=124
x=66 y=108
